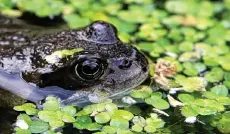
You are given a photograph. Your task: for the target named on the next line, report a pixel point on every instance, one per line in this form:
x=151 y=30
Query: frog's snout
x=143 y=62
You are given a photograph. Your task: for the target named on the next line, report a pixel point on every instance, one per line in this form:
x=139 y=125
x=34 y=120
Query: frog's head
x=105 y=64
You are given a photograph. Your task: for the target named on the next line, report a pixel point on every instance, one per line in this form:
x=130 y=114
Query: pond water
x=193 y=34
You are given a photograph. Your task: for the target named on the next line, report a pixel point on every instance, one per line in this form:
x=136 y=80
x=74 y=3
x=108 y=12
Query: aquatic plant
x=187 y=43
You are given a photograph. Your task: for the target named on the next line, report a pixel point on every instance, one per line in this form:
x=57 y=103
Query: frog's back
x=12 y=35
x=24 y=47
x=16 y=44
x=16 y=33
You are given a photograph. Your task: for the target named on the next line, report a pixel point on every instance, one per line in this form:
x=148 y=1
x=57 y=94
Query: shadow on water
x=54 y=21
x=7 y=118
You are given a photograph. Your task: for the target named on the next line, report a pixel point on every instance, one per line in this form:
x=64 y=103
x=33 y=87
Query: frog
x=78 y=66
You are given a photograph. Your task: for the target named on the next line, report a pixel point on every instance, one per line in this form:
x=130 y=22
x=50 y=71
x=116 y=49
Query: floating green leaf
x=56 y=124
x=29 y=108
x=48 y=116
x=223 y=100
x=191 y=84
x=189 y=111
x=93 y=126
x=102 y=117
x=215 y=75
x=139 y=121
x=24 y=107
x=22 y=131
x=150 y=129
x=157 y=102
x=51 y=104
x=24 y=117
x=141 y=92
x=120 y=123
x=75 y=21
x=38 y=126
x=156 y=122
x=109 y=129
x=110 y=107
x=186 y=46
x=68 y=118
x=186 y=98
x=43 y=8
x=122 y=114
x=82 y=122
x=220 y=90
x=137 y=128
x=70 y=110
x=223 y=123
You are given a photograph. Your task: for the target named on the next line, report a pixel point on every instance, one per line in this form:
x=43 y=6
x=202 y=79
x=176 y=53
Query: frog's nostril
x=125 y=64
x=145 y=69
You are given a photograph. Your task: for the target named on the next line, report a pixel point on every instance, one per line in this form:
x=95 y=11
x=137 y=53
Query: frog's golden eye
x=89 y=69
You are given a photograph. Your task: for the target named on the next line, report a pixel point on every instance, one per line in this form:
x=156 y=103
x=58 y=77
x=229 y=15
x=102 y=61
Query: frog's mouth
x=127 y=90
x=79 y=98
x=100 y=94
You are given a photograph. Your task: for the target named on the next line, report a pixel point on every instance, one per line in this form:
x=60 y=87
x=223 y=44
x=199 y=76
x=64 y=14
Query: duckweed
x=191 y=33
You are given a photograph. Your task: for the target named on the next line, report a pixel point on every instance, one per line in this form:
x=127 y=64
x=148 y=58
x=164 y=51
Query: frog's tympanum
x=78 y=66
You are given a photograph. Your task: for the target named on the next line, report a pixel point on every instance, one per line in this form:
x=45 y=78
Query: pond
x=182 y=46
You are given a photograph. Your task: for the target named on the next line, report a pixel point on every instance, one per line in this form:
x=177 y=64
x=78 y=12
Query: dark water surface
x=7 y=118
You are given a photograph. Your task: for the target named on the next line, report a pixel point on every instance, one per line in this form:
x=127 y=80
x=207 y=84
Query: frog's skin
x=31 y=68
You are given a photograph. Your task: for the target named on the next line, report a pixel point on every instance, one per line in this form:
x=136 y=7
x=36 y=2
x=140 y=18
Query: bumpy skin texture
x=23 y=56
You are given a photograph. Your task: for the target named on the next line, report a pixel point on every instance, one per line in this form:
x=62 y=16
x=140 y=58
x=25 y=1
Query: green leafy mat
x=187 y=42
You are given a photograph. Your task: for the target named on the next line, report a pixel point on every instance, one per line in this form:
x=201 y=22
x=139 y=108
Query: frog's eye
x=89 y=69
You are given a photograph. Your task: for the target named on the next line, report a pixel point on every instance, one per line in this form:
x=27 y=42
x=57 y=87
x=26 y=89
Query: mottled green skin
x=23 y=54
